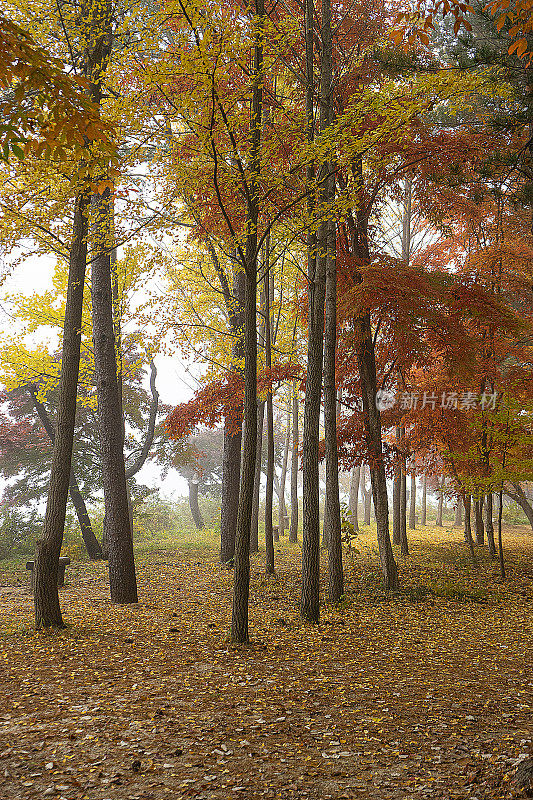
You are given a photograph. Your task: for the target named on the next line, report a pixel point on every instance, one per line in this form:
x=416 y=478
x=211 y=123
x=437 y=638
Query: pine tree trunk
x=478 y=516
x=412 y=504
x=353 y=500
x=293 y=535
x=92 y=545
x=47 y=609
x=241 y=587
x=424 y=500
x=489 y=526
x=254 y=533
x=193 y=504
x=122 y=579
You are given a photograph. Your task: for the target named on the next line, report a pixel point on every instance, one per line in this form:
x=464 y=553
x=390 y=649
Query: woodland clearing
x=423 y=693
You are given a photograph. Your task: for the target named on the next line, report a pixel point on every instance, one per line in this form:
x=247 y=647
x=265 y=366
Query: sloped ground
x=425 y=694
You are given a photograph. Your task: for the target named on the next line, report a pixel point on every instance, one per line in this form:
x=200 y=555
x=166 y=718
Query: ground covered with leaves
x=425 y=693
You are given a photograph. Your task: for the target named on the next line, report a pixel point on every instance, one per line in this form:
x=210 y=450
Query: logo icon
x=385 y=400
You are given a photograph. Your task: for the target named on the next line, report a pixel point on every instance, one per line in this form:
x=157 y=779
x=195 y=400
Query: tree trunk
x=293 y=535
x=489 y=526
x=372 y=425
x=480 y=528
x=193 y=504
x=404 y=546
x=440 y=487
x=282 y=508
x=92 y=545
x=241 y=587
x=423 y=518
x=412 y=504
x=122 y=579
x=366 y=495
x=316 y=288
x=396 y=492
x=328 y=238
x=269 y=534
x=140 y=461
x=467 y=503
x=353 y=500
x=500 y=540
x=519 y=496
x=231 y=457
x=254 y=533
x=458 y=522
x=47 y=609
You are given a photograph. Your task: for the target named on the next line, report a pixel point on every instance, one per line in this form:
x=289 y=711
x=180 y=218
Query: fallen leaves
x=390 y=697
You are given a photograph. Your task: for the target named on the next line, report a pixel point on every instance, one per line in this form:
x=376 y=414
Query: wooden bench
x=63 y=562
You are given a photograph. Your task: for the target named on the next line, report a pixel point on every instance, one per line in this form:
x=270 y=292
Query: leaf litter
x=416 y=695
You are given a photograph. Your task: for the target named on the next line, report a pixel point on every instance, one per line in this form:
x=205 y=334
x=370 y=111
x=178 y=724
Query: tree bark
x=367 y=496
x=241 y=587
x=440 y=487
x=372 y=424
x=423 y=519
x=309 y=607
x=489 y=526
x=396 y=492
x=254 y=533
x=412 y=504
x=193 y=504
x=269 y=535
x=140 y=461
x=293 y=534
x=92 y=545
x=404 y=546
x=353 y=499
x=282 y=509
x=478 y=516
x=47 y=609
x=122 y=579
x=458 y=522
x=519 y=496
x=467 y=503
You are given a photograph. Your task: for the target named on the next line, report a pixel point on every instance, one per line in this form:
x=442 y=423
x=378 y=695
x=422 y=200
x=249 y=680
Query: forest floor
x=427 y=693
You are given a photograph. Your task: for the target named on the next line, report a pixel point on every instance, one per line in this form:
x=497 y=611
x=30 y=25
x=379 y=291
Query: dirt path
x=413 y=697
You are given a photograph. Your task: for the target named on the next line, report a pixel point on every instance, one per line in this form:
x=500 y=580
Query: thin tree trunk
x=269 y=534
x=327 y=237
x=241 y=587
x=440 y=487
x=489 y=526
x=424 y=500
x=282 y=509
x=478 y=516
x=92 y=545
x=353 y=500
x=404 y=547
x=367 y=496
x=458 y=522
x=520 y=497
x=467 y=503
x=309 y=607
x=412 y=504
x=47 y=609
x=500 y=540
x=254 y=533
x=293 y=535
x=396 y=492
x=193 y=504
